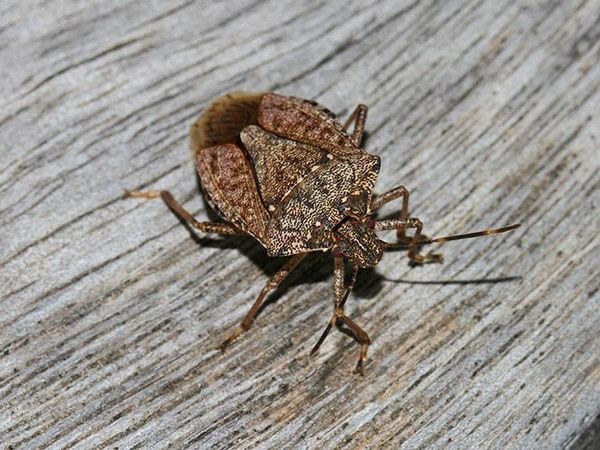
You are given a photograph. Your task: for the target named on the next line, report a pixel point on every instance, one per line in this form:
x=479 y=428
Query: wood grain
x=488 y=111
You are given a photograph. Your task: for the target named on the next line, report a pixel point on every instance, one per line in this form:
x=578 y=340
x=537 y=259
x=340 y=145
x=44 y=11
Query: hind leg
x=182 y=213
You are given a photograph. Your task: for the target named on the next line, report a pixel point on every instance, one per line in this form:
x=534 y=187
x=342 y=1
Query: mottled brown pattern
x=304 y=121
x=319 y=202
x=228 y=182
x=279 y=163
x=359 y=243
x=307 y=185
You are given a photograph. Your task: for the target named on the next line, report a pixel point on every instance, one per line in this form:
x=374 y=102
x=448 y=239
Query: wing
x=304 y=121
x=224 y=119
x=280 y=164
x=228 y=182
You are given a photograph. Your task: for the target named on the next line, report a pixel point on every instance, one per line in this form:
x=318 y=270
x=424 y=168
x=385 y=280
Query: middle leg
x=272 y=284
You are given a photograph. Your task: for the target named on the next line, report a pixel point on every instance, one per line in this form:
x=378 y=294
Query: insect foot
x=287 y=172
x=232 y=337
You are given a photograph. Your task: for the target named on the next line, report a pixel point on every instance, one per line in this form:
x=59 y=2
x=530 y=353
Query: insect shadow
x=459 y=282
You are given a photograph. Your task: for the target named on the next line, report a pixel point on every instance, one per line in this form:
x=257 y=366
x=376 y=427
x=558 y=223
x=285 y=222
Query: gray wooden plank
x=111 y=312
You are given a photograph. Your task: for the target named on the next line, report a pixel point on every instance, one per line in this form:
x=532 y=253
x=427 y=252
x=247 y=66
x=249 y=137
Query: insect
x=287 y=172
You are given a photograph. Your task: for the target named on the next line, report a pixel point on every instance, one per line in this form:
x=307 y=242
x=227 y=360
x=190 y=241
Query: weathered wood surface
x=111 y=312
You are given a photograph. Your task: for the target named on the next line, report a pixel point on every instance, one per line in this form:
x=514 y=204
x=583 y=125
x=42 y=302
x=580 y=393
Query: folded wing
x=230 y=187
x=304 y=121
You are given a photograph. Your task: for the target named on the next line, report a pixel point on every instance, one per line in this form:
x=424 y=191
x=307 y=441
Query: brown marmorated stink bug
x=287 y=172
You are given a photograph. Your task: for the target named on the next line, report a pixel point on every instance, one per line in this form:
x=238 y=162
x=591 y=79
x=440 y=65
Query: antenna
x=456 y=237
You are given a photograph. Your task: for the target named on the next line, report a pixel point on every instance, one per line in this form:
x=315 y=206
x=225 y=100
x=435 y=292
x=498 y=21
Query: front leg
x=379 y=200
x=339 y=316
x=403 y=224
x=413 y=243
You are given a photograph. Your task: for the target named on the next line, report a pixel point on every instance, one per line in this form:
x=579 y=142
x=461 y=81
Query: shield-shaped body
x=281 y=169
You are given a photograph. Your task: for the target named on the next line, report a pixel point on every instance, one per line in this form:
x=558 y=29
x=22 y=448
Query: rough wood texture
x=111 y=312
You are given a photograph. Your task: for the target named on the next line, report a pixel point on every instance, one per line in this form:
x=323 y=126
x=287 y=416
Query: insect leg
x=413 y=251
x=414 y=243
x=361 y=337
x=379 y=200
x=341 y=295
x=272 y=284
x=206 y=227
x=359 y=117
